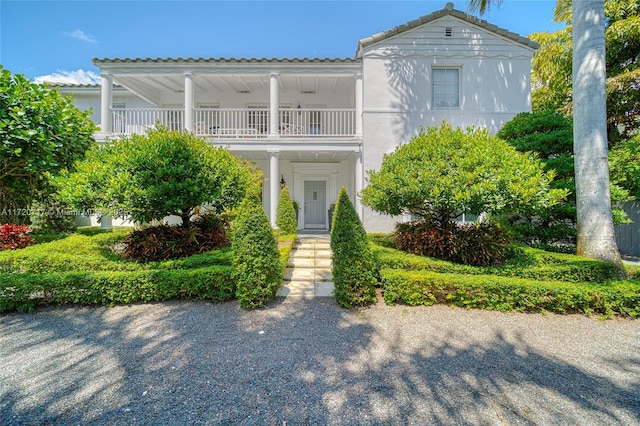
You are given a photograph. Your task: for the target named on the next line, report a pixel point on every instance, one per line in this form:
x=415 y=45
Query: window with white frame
x=446 y=87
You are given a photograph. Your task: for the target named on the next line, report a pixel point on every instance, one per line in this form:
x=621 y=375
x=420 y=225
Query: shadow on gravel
x=299 y=362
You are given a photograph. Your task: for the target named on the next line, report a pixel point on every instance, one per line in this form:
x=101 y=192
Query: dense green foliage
x=510 y=294
x=258 y=268
x=550 y=136
x=552 y=66
x=148 y=177
x=624 y=161
x=286 y=215
x=13 y=237
x=521 y=262
x=444 y=172
x=530 y=280
x=479 y=244
x=41 y=133
x=25 y=291
x=353 y=276
x=83 y=269
x=50 y=215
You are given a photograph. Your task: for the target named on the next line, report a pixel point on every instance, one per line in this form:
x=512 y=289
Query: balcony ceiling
x=299 y=156
x=152 y=86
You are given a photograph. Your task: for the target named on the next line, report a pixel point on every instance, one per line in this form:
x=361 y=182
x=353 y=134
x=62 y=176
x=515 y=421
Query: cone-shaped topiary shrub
x=256 y=260
x=353 y=274
x=286 y=215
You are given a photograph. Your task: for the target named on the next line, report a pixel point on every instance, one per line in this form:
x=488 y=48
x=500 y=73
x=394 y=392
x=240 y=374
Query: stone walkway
x=308 y=272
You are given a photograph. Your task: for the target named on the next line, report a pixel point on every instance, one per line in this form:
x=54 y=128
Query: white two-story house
x=320 y=124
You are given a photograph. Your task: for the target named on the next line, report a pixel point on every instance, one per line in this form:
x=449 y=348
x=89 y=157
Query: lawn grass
x=531 y=280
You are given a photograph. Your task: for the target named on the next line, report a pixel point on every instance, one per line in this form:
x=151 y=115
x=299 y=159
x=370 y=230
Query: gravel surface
x=311 y=362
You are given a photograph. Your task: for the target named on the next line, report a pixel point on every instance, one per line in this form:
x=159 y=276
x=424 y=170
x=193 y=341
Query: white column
x=106 y=101
x=358 y=104
x=274 y=104
x=188 y=102
x=359 y=172
x=274 y=185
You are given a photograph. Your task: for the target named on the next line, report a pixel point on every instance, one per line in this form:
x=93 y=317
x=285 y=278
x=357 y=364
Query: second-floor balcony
x=239 y=123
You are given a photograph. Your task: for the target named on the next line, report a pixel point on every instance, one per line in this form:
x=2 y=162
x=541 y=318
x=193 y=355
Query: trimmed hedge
x=83 y=269
x=258 y=268
x=286 y=213
x=23 y=292
x=353 y=267
x=525 y=262
x=508 y=294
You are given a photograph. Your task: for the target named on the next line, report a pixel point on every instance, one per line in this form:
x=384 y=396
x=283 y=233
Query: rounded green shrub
x=256 y=259
x=353 y=266
x=286 y=215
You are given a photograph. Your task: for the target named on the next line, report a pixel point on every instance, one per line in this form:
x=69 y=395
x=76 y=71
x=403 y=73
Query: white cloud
x=81 y=35
x=69 y=77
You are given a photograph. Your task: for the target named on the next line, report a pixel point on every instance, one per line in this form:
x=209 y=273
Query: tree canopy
x=444 y=172
x=148 y=177
x=41 y=133
x=550 y=136
x=552 y=66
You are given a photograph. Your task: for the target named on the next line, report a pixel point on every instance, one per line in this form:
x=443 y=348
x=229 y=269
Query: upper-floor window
x=446 y=87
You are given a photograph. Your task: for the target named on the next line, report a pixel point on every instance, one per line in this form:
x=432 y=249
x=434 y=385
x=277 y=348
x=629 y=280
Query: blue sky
x=41 y=38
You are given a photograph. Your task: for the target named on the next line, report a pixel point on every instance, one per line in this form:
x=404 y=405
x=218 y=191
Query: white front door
x=315 y=204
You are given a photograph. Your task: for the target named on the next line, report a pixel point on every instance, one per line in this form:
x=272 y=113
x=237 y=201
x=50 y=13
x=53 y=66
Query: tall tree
x=551 y=76
x=41 y=133
x=595 y=234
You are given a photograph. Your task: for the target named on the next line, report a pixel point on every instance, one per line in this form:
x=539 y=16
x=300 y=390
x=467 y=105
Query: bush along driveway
x=532 y=280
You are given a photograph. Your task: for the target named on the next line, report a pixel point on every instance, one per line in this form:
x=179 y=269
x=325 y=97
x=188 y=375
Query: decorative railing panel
x=238 y=122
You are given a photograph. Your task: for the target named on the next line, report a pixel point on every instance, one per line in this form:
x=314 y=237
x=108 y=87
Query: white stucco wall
x=85 y=99
x=397 y=77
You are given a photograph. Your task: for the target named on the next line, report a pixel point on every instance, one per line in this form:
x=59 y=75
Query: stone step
x=308 y=274
x=304 y=255
x=305 y=289
x=308 y=247
x=309 y=262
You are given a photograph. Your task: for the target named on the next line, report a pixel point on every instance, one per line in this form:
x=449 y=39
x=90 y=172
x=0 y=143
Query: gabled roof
x=447 y=11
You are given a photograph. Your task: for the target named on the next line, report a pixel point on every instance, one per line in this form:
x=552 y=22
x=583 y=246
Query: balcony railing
x=236 y=123
x=129 y=121
x=227 y=122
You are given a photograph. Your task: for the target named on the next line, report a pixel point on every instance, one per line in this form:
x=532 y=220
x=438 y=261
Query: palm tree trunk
x=596 y=237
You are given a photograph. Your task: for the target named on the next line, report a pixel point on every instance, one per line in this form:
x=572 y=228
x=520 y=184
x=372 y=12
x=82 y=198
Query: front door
x=315 y=205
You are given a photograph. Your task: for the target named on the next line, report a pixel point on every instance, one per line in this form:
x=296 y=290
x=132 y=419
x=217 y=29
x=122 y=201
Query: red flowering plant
x=14 y=237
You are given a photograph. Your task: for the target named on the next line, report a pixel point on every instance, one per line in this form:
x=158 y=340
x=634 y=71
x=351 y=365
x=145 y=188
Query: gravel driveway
x=311 y=362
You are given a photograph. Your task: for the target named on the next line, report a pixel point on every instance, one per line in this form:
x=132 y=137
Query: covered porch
x=232 y=99
x=313 y=174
